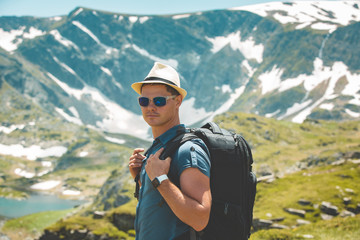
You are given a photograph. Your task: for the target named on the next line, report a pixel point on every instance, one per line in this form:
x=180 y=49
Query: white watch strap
x=162 y=178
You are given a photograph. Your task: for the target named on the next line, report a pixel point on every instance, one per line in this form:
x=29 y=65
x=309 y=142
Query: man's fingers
x=137 y=154
x=138 y=150
x=157 y=154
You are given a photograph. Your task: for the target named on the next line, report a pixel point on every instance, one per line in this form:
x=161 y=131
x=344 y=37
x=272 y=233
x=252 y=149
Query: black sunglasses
x=158 y=101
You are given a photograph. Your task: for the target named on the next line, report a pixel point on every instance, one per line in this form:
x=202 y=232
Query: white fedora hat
x=164 y=74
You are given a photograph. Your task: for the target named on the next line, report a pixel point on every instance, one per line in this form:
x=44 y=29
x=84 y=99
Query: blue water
x=13 y=208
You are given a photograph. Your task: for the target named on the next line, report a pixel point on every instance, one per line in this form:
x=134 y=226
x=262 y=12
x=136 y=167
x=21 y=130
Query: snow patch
x=47 y=185
x=106 y=70
x=352 y=88
x=352 y=114
x=304 y=13
x=296 y=108
x=291 y=82
x=118 y=119
x=355 y=100
x=12 y=128
x=173 y=63
x=7 y=39
x=69 y=118
x=143 y=19
x=83 y=154
x=176 y=17
x=270 y=80
x=64 y=41
x=336 y=72
x=115 y=140
x=74 y=111
x=327 y=106
x=133 y=19
x=226 y=106
x=224 y=88
x=270 y=115
x=33 y=152
x=33 y=33
x=43 y=173
x=66 y=67
x=11 y=40
x=77 y=12
x=191 y=115
x=69 y=192
x=324 y=26
x=46 y=163
x=249 y=69
x=56 y=19
x=86 y=30
x=24 y=173
x=247 y=47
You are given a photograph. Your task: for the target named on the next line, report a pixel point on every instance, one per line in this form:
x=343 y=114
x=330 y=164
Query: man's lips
x=152 y=115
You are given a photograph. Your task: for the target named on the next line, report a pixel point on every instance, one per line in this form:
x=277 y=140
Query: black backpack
x=232 y=182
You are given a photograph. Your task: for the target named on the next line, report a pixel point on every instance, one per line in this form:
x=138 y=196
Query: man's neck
x=159 y=130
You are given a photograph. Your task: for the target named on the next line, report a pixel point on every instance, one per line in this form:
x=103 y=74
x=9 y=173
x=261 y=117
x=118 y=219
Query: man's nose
x=151 y=105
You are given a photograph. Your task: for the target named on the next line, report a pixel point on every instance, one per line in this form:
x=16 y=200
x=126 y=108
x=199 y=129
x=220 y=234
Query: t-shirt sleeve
x=195 y=154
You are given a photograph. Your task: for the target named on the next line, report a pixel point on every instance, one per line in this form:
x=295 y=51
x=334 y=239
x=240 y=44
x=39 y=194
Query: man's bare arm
x=192 y=203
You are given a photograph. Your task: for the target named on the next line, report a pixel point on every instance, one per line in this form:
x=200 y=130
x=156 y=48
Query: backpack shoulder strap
x=175 y=143
x=213 y=127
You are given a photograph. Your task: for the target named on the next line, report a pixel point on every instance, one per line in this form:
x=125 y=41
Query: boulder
x=297 y=212
x=357 y=161
x=326 y=216
x=308 y=236
x=354 y=210
x=259 y=224
x=304 y=202
x=349 y=190
x=346 y=200
x=302 y=222
x=329 y=209
x=123 y=221
x=278 y=226
x=267 y=178
x=278 y=219
x=346 y=213
x=99 y=214
x=352 y=155
x=339 y=162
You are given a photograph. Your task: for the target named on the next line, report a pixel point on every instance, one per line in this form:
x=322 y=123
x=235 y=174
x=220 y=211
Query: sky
x=49 y=8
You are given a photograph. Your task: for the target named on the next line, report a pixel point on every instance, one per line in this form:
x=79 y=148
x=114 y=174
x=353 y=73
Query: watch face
x=155 y=182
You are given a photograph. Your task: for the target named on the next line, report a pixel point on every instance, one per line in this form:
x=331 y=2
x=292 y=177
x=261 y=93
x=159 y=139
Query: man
x=169 y=208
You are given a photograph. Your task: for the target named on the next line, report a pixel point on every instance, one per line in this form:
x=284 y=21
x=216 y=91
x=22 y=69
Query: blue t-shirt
x=154 y=218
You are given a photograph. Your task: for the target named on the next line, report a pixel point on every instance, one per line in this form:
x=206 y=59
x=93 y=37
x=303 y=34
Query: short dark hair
x=171 y=90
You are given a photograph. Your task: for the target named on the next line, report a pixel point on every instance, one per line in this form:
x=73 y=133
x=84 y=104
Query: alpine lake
x=36 y=202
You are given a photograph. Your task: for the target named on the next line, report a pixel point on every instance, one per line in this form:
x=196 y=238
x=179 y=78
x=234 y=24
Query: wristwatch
x=158 y=180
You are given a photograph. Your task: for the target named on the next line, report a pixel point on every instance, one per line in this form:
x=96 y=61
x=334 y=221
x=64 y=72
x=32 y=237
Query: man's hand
x=156 y=167
x=136 y=161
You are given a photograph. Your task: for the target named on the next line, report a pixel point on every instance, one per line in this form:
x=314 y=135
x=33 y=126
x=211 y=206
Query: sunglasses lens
x=144 y=101
x=159 y=101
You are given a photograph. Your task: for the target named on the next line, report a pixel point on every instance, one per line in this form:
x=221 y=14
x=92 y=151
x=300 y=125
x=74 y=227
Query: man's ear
x=178 y=100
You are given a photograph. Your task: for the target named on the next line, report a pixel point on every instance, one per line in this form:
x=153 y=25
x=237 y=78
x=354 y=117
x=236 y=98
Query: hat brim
x=137 y=87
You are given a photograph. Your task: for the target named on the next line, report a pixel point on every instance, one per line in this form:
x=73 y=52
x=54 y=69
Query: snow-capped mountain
x=293 y=60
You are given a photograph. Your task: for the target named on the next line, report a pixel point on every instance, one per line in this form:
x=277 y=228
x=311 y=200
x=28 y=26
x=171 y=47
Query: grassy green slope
x=327 y=183
x=283 y=145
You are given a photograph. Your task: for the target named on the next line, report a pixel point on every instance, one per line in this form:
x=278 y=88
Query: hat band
x=161 y=79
